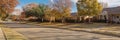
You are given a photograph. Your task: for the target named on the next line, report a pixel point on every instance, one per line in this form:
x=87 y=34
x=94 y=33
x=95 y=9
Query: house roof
x=73 y=14
x=113 y=10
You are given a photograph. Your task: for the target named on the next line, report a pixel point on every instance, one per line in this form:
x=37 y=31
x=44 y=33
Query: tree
x=51 y=14
x=36 y=11
x=64 y=8
x=30 y=9
x=6 y=7
x=42 y=9
x=88 y=8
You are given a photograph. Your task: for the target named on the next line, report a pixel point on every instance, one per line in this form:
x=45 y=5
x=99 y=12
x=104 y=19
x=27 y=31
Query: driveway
x=34 y=32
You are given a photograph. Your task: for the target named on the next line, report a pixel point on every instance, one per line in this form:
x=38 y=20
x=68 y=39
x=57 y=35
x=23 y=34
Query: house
x=114 y=14
x=111 y=14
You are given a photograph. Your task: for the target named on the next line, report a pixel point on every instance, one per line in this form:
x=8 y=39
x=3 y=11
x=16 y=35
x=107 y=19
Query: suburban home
x=111 y=14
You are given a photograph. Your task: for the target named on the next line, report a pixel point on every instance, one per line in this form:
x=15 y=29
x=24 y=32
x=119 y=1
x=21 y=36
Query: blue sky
x=111 y=3
x=25 y=2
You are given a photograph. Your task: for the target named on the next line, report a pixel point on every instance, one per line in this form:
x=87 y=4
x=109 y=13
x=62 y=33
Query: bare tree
x=64 y=7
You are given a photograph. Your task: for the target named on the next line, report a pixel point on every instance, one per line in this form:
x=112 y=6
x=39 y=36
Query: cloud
x=52 y=1
x=75 y=1
x=111 y=3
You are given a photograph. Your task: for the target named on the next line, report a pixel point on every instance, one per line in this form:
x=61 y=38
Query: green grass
x=13 y=35
x=73 y=25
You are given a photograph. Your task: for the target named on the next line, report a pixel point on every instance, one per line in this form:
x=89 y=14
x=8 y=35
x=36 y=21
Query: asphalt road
x=34 y=32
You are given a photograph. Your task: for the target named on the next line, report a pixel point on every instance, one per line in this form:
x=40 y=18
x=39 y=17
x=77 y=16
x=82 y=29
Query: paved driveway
x=48 y=33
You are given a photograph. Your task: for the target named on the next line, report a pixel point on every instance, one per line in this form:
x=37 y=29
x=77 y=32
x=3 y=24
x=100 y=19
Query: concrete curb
x=2 y=37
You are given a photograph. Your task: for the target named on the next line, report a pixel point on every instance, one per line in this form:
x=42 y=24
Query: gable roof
x=113 y=10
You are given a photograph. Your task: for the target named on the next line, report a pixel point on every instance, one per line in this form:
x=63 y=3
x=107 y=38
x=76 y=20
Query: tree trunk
x=42 y=19
x=89 y=20
x=50 y=20
x=63 y=20
x=0 y=19
x=54 y=19
x=4 y=16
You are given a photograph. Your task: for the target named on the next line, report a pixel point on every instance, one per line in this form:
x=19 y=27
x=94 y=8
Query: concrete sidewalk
x=1 y=35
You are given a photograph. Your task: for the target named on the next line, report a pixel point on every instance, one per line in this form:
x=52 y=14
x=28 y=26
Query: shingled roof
x=113 y=10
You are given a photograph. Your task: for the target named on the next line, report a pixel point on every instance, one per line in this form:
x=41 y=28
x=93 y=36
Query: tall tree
x=6 y=7
x=64 y=7
x=35 y=10
x=52 y=14
x=88 y=8
x=41 y=11
x=30 y=6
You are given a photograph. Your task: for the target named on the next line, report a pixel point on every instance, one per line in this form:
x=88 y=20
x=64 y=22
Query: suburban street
x=60 y=20
x=33 y=32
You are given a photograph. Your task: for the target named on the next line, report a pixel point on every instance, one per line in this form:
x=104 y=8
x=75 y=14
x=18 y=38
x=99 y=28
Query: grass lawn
x=72 y=25
x=13 y=35
x=113 y=29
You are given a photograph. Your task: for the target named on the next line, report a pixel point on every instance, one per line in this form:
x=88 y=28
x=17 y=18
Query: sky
x=111 y=3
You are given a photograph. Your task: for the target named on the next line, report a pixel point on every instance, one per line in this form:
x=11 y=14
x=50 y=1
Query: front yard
x=101 y=28
x=10 y=34
x=13 y=35
x=106 y=29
